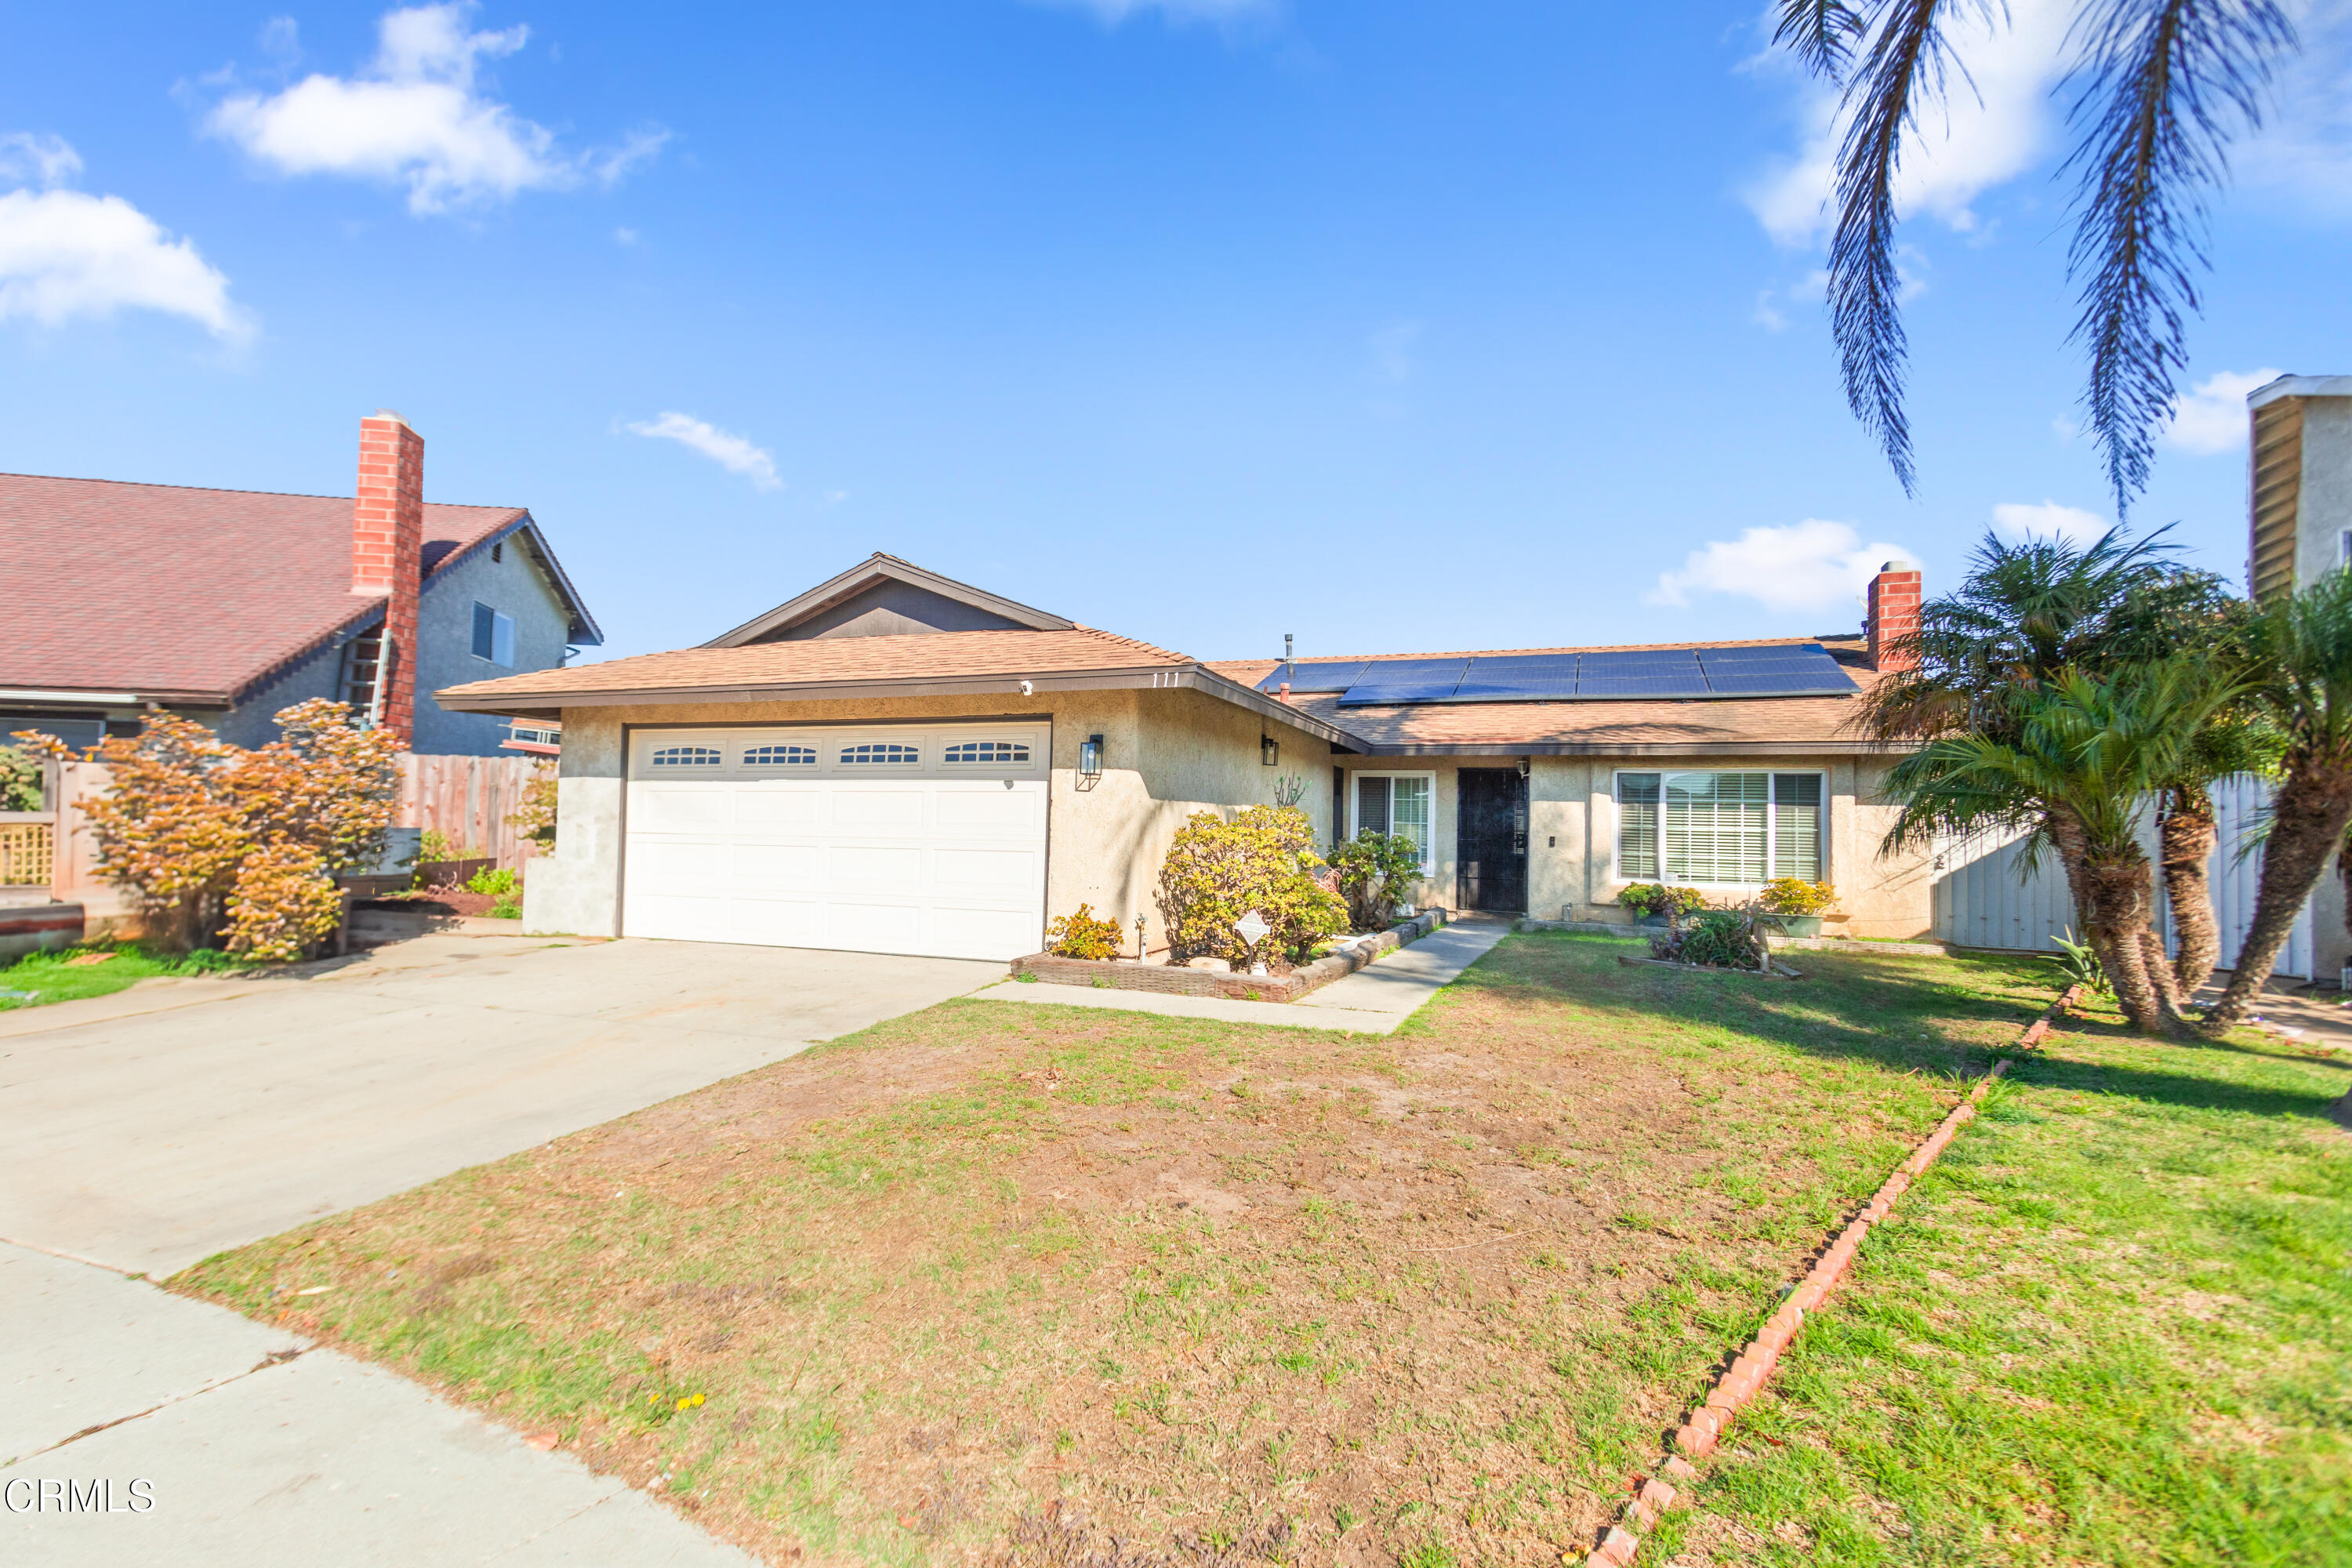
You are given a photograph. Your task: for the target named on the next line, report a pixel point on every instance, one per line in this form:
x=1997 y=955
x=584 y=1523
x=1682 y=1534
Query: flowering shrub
x=1795 y=895
x=1217 y=871
x=1374 y=869
x=184 y=811
x=1658 y=898
x=1081 y=935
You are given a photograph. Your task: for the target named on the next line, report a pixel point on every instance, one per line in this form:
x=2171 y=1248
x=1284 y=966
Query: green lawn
x=2113 y=1325
x=996 y=1275
x=53 y=977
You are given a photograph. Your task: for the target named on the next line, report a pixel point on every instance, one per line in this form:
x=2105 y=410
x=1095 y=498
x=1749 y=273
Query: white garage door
x=880 y=838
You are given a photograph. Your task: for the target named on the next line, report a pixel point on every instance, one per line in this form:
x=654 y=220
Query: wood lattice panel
x=28 y=854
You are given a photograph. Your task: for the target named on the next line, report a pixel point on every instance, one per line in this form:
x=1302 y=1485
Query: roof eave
x=583 y=630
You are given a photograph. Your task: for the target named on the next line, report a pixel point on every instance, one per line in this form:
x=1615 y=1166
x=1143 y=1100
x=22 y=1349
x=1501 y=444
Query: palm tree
x=2162 y=86
x=2301 y=663
x=2081 y=755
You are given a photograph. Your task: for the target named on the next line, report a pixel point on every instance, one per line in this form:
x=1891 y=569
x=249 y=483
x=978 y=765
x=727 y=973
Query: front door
x=1491 y=839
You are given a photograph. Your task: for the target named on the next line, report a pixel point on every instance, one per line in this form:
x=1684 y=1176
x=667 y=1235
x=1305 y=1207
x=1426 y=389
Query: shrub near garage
x=1217 y=871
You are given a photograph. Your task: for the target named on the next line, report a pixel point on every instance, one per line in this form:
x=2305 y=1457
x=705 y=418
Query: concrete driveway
x=151 y=1128
x=147 y=1142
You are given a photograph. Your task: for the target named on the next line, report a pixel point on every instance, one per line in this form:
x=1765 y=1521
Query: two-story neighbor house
x=228 y=605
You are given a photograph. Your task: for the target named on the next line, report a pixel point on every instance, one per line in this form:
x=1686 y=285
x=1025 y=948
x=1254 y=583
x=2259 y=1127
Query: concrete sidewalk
x=1374 y=1000
x=254 y=1448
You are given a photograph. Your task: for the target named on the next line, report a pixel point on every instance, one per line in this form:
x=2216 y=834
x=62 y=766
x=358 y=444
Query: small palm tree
x=2301 y=667
x=2082 y=756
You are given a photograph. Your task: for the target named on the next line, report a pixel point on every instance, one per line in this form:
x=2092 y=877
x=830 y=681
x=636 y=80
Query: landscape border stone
x=1703 y=1428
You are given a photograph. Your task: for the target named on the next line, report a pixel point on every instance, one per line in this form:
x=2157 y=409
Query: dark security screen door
x=1491 y=839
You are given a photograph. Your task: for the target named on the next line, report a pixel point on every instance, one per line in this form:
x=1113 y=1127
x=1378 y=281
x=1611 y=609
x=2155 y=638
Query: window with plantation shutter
x=1372 y=804
x=1725 y=829
x=1398 y=804
x=1637 y=827
x=1796 y=826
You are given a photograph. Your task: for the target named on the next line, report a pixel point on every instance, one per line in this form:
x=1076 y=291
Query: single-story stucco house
x=896 y=762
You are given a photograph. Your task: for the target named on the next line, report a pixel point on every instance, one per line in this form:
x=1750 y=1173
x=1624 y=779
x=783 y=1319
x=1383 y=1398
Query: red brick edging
x=1705 y=1426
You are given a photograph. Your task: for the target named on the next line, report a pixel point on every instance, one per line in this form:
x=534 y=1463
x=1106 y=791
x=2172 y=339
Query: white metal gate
x=1985 y=896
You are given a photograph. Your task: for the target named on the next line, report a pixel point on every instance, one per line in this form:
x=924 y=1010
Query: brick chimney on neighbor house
x=387 y=539
x=1893 y=613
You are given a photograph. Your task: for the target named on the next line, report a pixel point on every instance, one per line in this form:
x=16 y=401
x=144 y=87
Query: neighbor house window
x=493 y=635
x=884 y=754
x=1741 y=829
x=687 y=757
x=1398 y=804
x=780 y=756
x=987 y=752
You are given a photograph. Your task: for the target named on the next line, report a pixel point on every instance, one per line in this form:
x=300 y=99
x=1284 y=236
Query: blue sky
x=1394 y=326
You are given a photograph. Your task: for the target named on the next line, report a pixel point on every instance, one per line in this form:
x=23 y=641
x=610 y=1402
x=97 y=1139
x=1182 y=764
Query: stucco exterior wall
x=513 y=585
x=1165 y=754
x=1572 y=835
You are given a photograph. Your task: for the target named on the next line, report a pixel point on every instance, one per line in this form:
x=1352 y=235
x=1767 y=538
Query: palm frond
x=1906 y=61
x=2164 y=86
x=1822 y=33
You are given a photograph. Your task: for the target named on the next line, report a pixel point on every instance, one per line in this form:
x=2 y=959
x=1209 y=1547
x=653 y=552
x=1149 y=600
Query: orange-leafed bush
x=186 y=812
x=282 y=901
x=1081 y=935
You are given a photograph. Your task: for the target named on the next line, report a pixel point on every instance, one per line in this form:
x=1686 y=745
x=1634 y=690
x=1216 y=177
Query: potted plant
x=1660 y=905
x=1796 y=906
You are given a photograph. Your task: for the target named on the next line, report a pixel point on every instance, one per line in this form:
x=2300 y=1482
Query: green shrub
x=1733 y=938
x=499 y=881
x=1657 y=899
x=20 y=781
x=1081 y=935
x=1374 y=870
x=1217 y=871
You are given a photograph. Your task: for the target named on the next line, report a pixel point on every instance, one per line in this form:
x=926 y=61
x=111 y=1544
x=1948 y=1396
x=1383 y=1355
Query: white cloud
x=2210 y=417
x=1111 y=13
x=1809 y=565
x=65 y=253
x=416 y=117
x=2021 y=520
x=2305 y=150
x=729 y=450
x=43 y=161
x=1994 y=122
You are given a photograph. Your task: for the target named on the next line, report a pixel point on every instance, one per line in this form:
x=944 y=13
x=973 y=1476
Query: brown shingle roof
x=828 y=661
x=169 y=590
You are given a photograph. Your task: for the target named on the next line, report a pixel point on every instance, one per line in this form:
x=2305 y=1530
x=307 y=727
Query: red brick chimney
x=387 y=537
x=1893 y=613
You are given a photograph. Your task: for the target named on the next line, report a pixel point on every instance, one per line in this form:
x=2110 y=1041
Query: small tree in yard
x=208 y=838
x=1374 y=869
x=1217 y=871
x=20 y=780
x=534 y=818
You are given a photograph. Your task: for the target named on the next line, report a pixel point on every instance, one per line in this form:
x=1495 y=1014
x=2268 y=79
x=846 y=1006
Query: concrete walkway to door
x=148 y=1130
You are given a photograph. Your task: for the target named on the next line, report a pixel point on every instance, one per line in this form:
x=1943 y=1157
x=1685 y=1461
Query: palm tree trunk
x=2122 y=900
x=2307 y=822
x=2186 y=838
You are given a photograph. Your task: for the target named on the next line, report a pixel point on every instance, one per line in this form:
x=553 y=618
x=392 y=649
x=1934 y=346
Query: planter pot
x=1799 y=925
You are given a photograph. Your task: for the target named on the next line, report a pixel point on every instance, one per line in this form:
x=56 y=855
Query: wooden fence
x=467 y=800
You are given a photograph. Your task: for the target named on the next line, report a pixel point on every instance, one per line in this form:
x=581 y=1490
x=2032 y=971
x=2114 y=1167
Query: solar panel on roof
x=1405 y=681
x=1763 y=654
x=1785 y=670
x=1659 y=686
x=1317 y=675
x=1747 y=683
x=1518 y=677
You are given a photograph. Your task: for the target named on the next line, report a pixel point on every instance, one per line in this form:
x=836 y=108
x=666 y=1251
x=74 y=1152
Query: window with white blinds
x=1397 y=804
x=1728 y=828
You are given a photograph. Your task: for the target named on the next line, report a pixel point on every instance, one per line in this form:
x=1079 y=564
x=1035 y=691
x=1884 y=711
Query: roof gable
x=885 y=596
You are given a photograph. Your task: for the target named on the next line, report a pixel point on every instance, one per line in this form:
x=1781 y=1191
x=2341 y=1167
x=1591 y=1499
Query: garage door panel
x=755 y=868
x=943 y=854
x=680 y=808
x=872 y=808
x=765 y=809
x=1004 y=873
x=686 y=868
x=991 y=811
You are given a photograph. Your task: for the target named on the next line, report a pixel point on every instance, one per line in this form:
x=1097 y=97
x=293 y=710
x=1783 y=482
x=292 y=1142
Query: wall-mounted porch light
x=1090 y=758
x=1269 y=749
